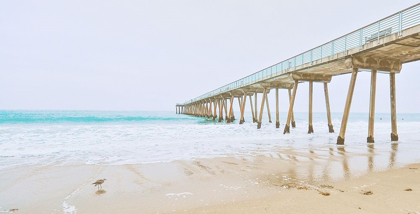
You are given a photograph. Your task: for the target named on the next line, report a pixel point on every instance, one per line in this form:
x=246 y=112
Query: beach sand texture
x=328 y=179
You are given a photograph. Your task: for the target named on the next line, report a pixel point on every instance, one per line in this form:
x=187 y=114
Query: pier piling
x=327 y=104
x=242 y=120
x=370 y=138
x=340 y=139
x=256 y=107
x=290 y=113
x=262 y=109
x=293 y=116
x=252 y=108
x=214 y=109
x=230 y=118
x=277 y=109
x=310 y=128
x=220 y=110
x=394 y=134
x=268 y=109
x=226 y=112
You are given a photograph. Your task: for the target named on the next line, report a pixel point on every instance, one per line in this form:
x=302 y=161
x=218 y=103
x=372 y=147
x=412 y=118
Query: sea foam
x=170 y=137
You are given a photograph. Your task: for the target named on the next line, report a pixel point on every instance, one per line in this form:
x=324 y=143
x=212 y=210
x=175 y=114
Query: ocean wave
x=30 y=117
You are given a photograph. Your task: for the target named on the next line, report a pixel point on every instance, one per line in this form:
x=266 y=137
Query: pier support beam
x=290 y=113
x=220 y=110
x=240 y=102
x=293 y=116
x=256 y=107
x=394 y=133
x=242 y=120
x=230 y=118
x=209 y=112
x=262 y=109
x=206 y=110
x=203 y=109
x=252 y=108
x=214 y=109
x=311 y=87
x=225 y=107
x=277 y=109
x=327 y=104
x=210 y=109
x=340 y=139
x=370 y=138
x=268 y=109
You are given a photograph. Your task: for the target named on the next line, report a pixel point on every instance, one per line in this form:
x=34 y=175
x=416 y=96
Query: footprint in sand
x=188 y=172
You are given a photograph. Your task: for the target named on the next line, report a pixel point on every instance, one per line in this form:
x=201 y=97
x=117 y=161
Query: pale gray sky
x=149 y=55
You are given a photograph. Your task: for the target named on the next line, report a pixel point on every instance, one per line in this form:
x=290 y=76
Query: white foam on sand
x=128 y=143
x=70 y=209
x=183 y=194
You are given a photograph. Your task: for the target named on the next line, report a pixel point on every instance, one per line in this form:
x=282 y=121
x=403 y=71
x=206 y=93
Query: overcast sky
x=150 y=55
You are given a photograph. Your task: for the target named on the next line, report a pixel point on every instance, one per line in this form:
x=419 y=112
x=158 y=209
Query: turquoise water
x=107 y=137
x=98 y=117
x=63 y=117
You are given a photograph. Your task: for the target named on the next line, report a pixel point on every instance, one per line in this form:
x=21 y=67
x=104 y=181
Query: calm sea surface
x=102 y=137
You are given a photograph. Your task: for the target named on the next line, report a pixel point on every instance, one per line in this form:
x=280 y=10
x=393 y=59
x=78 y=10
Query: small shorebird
x=99 y=183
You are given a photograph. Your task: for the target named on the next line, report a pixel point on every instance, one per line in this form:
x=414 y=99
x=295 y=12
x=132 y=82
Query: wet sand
x=319 y=179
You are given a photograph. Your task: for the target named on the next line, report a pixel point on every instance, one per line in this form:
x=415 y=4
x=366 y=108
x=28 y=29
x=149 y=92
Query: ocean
x=124 y=137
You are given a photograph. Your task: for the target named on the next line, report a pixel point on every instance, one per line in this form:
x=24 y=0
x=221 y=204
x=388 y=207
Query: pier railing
x=394 y=23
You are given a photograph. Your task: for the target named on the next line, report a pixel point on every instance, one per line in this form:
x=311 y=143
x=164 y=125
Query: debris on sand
x=413 y=168
x=324 y=193
x=408 y=190
x=302 y=188
x=367 y=193
x=326 y=186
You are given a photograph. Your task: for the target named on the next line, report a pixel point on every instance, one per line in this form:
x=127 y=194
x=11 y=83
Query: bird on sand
x=99 y=183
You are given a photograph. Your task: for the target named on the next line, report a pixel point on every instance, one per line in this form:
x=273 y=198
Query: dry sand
x=317 y=180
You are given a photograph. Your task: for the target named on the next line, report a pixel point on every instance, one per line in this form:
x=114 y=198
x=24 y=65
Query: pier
x=380 y=48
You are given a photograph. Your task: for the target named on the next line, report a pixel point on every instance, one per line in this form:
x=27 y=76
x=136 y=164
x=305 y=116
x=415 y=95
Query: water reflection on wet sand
x=345 y=162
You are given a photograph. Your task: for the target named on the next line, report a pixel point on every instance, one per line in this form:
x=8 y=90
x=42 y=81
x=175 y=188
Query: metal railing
x=394 y=23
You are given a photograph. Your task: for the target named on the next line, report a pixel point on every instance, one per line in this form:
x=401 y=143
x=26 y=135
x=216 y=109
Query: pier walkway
x=382 y=46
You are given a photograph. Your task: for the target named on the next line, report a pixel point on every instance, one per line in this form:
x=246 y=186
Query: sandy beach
x=324 y=179
x=209 y=107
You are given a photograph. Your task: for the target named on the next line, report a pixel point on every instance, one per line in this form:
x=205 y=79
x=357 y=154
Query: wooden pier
x=380 y=48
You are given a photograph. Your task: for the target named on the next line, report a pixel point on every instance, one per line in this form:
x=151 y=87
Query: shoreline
x=249 y=184
x=391 y=191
